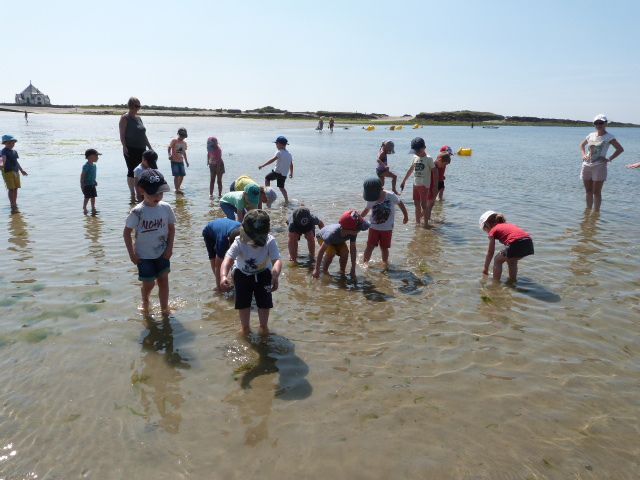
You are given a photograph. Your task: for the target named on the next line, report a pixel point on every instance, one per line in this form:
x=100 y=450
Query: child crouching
x=256 y=258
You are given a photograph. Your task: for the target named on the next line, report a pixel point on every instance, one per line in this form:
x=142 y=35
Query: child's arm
x=2 y=160
x=364 y=212
x=81 y=179
x=227 y=263
x=129 y=244
x=169 y=250
x=268 y=162
x=25 y=173
x=316 y=270
x=490 y=252
x=275 y=273
x=582 y=150
x=170 y=149
x=634 y=165
x=291 y=168
x=409 y=172
x=354 y=255
x=403 y=208
x=184 y=154
x=321 y=223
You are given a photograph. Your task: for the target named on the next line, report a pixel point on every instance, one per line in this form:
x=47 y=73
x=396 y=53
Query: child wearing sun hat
x=11 y=169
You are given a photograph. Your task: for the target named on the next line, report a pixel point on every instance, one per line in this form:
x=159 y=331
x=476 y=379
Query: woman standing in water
x=594 y=160
x=133 y=136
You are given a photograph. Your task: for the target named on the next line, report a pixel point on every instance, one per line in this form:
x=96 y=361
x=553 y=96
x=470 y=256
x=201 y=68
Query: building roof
x=31 y=90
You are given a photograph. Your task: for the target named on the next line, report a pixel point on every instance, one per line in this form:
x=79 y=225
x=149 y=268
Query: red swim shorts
x=381 y=237
x=420 y=193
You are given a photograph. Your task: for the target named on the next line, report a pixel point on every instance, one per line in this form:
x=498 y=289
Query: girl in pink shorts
x=216 y=165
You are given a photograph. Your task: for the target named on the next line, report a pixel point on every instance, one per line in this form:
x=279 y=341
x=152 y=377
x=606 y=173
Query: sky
x=562 y=59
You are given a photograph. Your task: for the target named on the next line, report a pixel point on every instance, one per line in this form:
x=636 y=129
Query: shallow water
x=427 y=371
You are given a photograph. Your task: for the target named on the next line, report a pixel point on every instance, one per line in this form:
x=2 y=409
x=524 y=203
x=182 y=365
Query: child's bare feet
x=385 y=266
x=263 y=331
x=246 y=331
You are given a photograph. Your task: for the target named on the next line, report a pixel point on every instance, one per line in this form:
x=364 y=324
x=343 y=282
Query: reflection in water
x=587 y=250
x=93 y=232
x=158 y=379
x=19 y=237
x=276 y=354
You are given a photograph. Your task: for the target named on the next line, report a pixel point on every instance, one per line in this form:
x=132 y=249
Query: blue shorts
x=151 y=268
x=177 y=169
x=229 y=210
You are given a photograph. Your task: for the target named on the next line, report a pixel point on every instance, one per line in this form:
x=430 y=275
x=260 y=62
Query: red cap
x=351 y=220
x=446 y=149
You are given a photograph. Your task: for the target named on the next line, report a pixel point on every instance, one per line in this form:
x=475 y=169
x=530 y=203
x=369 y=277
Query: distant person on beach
x=26 y=117
x=320 y=124
x=382 y=205
x=177 y=151
x=425 y=181
x=133 y=137
x=153 y=222
x=284 y=166
x=594 y=160
x=333 y=241
x=302 y=223
x=442 y=160
x=149 y=160
x=218 y=236
x=88 y=181
x=517 y=241
x=11 y=170
x=216 y=165
x=267 y=194
x=257 y=263
x=382 y=168
x=331 y=124
x=234 y=204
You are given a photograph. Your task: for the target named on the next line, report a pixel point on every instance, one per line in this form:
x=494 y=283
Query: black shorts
x=276 y=176
x=249 y=285
x=210 y=243
x=133 y=159
x=89 y=191
x=440 y=184
x=519 y=249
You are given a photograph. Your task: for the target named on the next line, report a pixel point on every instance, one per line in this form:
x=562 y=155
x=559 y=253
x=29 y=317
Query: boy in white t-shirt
x=284 y=166
x=382 y=206
x=154 y=224
x=425 y=178
x=256 y=258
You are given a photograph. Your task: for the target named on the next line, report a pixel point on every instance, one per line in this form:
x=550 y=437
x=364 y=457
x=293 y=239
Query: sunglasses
x=599 y=122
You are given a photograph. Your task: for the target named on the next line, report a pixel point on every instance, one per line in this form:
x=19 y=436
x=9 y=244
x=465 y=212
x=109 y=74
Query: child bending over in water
x=518 y=242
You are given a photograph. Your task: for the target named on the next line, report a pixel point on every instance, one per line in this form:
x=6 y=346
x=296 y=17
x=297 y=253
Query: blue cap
x=282 y=140
x=11 y=138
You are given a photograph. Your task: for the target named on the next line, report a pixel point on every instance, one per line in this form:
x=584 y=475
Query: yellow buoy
x=398 y=127
x=417 y=125
x=465 y=152
x=370 y=127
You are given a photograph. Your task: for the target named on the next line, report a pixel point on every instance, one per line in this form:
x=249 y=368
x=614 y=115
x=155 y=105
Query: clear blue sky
x=568 y=58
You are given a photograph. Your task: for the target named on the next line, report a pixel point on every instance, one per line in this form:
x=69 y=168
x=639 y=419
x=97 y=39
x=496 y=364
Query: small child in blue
x=11 y=170
x=154 y=224
x=88 y=181
x=218 y=236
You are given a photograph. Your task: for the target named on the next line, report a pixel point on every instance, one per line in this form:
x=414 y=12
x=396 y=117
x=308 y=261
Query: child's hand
x=291 y=175
x=24 y=173
x=167 y=253
x=274 y=283
x=402 y=186
x=134 y=259
x=405 y=219
x=260 y=167
x=187 y=163
x=225 y=284
x=584 y=156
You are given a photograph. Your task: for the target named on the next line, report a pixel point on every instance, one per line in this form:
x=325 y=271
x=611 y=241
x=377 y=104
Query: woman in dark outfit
x=133 y=136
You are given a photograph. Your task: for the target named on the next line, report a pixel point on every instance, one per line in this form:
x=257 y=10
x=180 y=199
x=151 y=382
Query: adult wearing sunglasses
x=133 y=136
x=594 y=160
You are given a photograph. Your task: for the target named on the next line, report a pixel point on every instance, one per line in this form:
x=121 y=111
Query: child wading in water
x=218 y=236
x=382 y=206
x=443 y=159
x=88 y=181
x=216 y=165
x=258 y=265
x=382 y=169
x=178 y=155
x=154 y=224
x=284 y=166
x=11 y=170
x=149 y=160
x=302 y=223
x=518 y=242
x=424 y=180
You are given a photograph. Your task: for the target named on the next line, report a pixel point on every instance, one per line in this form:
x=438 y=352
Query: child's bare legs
x=441 y=194
x=163 y=293
x=512 y=263
x=293 y=246
x=219 y=185
x=13 y=198
x=212 y=183
x=215 y=268
x=498 y=260
x=176 y=184
x=384 y=252
x=146 y=288
x=344 y=258
x=393 y=177
x=84 y=205
x=418 y=205
x=367 y=253
x=131 y=182
x=311 y=244
x=588 y=190
x=93 y=205
x=284 y=194
x=328 y=258
x=263 y=317
x=597 y=195
x=427 y=212
x=245 y=316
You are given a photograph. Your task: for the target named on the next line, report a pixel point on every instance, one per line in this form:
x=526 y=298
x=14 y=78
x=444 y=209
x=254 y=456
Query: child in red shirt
x=518 y=242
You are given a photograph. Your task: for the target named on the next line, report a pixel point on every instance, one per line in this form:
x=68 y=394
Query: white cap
x=601 y=117
x=271 y=195
x=484 y=217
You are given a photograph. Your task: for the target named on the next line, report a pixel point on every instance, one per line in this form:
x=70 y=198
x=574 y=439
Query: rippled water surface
x=427 y=371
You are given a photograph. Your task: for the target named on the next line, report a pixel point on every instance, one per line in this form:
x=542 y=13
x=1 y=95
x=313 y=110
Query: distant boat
x=489 y=126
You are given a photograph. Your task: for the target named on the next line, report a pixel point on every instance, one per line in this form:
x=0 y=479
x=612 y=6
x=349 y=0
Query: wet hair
x=182 y=132
x=133 y=101
x=495 y=219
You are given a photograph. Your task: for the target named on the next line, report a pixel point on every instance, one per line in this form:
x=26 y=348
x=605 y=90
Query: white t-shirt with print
x=283 y=162
x=383 y=213
x=151 y=226
x=422 y=167
x=597 y=147
x=250 y=259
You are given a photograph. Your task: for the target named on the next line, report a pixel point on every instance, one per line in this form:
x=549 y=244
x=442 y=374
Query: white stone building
x=32 y=96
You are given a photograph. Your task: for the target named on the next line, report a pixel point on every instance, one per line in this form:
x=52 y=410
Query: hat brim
x=257 y=239
x=164 y=188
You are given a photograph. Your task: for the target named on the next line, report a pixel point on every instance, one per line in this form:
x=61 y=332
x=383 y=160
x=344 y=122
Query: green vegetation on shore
x=459 y=118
